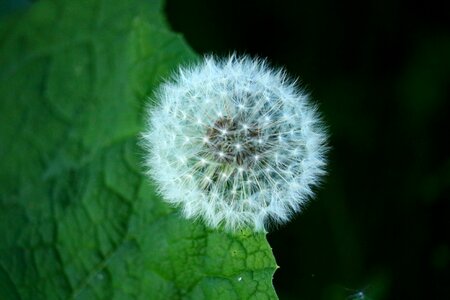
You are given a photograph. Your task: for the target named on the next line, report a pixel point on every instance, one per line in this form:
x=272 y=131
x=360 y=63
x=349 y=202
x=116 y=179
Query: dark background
x=380 y=70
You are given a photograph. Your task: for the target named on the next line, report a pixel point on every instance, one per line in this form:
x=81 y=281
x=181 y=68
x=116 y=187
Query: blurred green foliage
x=380 y=70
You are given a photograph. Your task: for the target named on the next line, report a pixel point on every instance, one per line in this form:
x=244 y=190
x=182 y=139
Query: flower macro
x=234 y=143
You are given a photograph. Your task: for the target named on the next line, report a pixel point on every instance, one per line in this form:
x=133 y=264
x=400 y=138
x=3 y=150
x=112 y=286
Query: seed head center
x=234 y=142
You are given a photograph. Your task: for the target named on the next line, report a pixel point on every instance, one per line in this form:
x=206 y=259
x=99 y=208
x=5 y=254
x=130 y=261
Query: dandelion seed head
x=234 y=143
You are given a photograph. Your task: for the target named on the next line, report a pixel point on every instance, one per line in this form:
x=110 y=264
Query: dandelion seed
x=248 y=140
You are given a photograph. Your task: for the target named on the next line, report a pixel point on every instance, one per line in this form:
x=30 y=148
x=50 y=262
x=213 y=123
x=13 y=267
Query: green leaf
x=78 y=220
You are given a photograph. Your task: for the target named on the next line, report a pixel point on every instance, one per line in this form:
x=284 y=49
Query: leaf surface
x=78 y=220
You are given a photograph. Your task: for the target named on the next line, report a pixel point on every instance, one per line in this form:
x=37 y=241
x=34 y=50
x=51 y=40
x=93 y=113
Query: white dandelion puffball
x=234 y=143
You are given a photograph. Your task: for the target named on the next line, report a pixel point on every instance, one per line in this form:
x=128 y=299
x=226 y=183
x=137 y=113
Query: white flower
x=234 y=143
